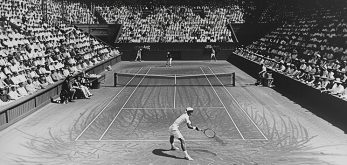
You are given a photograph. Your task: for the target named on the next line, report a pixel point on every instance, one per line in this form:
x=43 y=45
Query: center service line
x=124 y=105
x=223 y=105
x=105 y=107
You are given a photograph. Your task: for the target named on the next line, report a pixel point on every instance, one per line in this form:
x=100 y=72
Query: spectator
x=49 y=78
x=30 y=87
x=261 y=75
x=81 y=88
x=13 y=94
x=4 y=97
x=338 y=89
x=344 y=94
x=37 y=83
x=21 y=90
x=43 y=82
x=8 y=80
x=67 y=92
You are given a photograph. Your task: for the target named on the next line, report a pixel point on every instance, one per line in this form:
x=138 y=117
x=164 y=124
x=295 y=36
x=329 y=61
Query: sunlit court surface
x=128 y=123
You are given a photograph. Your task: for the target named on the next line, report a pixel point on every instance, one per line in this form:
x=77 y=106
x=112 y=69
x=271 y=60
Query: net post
x=115 y=79
x=233 y=78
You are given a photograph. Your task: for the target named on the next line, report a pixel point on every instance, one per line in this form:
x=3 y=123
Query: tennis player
x=174 y=132
x=138 y=56
x=169 y=59
x=213 y=54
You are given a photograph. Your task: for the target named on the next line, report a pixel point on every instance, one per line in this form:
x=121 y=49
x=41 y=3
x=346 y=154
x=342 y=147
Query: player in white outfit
x=174 y=132
x=213 y=54
x=138 y=55
x=169 y=59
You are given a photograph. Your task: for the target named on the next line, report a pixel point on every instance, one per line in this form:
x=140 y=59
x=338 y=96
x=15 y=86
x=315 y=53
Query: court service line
x=134 y=140
x=198 y=107
x=168 y=108
x=162 y=140
x=239 y=105
x=105 y=107
x=223 y=105
x=123 y=105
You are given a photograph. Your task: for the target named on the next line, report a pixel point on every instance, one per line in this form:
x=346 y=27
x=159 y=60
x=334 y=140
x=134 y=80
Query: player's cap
x=189 y=109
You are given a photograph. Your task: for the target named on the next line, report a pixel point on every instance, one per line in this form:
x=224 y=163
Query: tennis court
x=128 y=124
x=146 y=106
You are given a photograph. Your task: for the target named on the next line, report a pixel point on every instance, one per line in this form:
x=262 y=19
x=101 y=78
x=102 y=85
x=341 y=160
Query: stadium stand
x=35 y=55
x=173 y=23
x=310 y=47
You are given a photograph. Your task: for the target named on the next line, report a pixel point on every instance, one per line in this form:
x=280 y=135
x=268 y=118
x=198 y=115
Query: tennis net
x=220 y=79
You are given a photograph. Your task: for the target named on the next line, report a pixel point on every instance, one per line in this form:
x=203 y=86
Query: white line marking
x=170 y=108
x=223 y=104
x=197 y=107
x=239 y=105
x=105 y=107
x=124 y=105
x=162 y=140
x=175 y=97
x=147 y=108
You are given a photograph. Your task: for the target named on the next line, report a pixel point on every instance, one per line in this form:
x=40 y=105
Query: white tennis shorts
x=176 y=133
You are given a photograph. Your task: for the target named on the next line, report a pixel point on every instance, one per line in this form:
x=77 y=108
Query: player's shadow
x=161 y=152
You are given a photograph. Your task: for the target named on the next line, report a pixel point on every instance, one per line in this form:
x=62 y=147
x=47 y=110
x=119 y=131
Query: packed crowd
x=21 y=12
x=310 y=48
x=34 y=54
x=32 y=62
x=72 y=12
x=174 y=23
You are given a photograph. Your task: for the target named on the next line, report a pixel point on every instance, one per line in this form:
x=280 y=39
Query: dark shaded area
x=105 y=32
x=326 y=106
x=161 y=152
x=179 y=51
x=249 y=32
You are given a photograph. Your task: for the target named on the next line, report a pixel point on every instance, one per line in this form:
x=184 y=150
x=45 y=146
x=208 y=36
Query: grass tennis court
x=143 y=112
x=128 y=124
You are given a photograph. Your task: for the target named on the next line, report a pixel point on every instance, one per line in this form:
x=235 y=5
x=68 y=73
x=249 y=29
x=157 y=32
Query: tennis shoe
x=188 y=158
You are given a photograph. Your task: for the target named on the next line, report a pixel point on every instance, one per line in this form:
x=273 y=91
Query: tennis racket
x=209 y=132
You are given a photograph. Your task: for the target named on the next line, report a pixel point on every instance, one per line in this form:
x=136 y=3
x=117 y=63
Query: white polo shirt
x=184 y=118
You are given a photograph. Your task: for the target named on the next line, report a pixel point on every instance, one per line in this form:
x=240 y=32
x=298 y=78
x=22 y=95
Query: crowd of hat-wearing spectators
x=173 y=23
x=29 y=12
x=34 y=54
x=312 y=48
x=73 y=12
x=44 y=56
